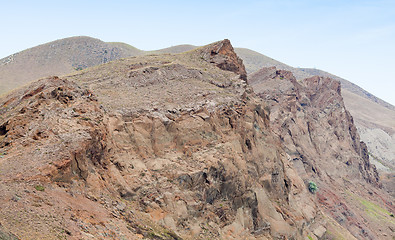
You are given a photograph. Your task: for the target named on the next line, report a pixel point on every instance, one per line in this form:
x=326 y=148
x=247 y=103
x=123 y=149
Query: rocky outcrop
x=320 y=136
x=310 y=116
x=54 y=141
x=179 y=147
x=220 y=173
x=223 y=56
x=211 y=170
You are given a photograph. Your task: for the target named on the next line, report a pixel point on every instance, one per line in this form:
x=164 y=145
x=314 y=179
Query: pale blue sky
x=354 y=39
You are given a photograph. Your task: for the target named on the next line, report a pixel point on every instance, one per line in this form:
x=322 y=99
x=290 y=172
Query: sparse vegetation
x=313 y=187
x=374 y=211
x=85 y=118
x=39 y=188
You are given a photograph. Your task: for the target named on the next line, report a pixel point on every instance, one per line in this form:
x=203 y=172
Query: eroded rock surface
x=320 y=136
x=180 y=147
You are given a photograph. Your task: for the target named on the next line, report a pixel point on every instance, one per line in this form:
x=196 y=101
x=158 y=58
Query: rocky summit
x=186 y=146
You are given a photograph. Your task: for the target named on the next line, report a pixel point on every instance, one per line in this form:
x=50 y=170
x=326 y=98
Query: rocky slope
x=373 y=117
x=319 y=135
x=180 y=147
x=201 y=165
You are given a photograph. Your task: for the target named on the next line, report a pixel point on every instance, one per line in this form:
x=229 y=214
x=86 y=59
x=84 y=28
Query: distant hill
x=254 y=61
x=174 y=49
x=64 y=56
x=58 y=58
x=349 y=86
x=131 y=50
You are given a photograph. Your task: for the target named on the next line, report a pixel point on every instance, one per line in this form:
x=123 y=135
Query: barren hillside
x=65 y=56
x=58 y=58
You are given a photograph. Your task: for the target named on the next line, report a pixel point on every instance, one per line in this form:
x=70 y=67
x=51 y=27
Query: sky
x=353 y=39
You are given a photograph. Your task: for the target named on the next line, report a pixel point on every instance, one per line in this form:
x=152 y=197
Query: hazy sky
x=354 y=39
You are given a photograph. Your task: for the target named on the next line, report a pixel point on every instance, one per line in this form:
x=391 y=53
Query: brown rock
x=223 y=56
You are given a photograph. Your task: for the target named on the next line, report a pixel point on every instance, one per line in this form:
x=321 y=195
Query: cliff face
x=310 y=117
x=320 y=136
x=180 y=147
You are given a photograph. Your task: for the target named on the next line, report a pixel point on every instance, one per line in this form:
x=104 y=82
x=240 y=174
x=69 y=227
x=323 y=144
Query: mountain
x=373 y=116
x=254 y=61
x=180 y=146
x=174 y=49
x=58 y=58
x=64 y=56
x=318 y=133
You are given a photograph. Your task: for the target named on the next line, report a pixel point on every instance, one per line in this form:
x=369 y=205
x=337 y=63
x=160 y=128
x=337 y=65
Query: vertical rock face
x=320 y=136
x=313 y=123
x=223 y=168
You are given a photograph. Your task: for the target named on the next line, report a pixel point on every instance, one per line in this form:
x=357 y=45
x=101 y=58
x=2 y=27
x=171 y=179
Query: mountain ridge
x=368 y=111
x=253 y=61
x=179 y=146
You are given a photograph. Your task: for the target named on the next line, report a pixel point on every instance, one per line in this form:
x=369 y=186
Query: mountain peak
x=222 y=54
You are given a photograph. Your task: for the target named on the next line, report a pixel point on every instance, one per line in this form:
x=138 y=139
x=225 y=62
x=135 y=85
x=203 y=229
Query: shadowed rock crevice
x=3 y=129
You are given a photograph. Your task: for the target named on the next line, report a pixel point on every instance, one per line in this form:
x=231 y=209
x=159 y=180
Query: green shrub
x=313 y=187
x=39 y=188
